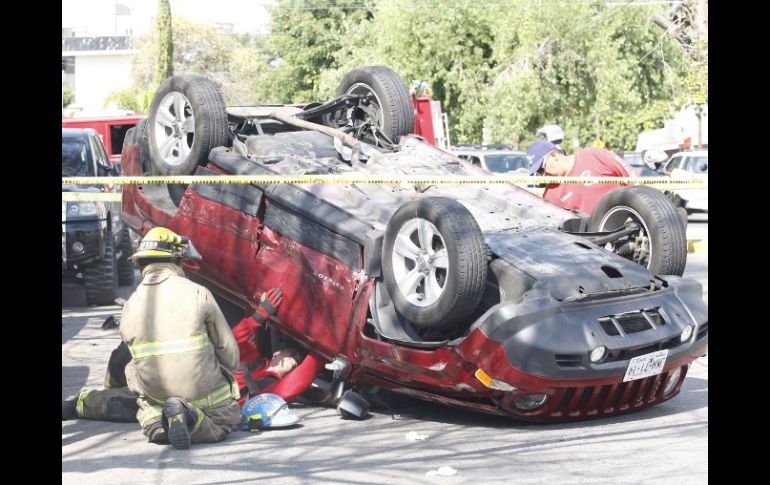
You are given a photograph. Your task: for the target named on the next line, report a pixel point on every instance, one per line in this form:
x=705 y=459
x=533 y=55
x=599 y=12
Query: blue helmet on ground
x=266 y=411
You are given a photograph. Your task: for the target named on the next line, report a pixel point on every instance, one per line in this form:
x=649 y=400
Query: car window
x=676 y=162
x=117 y=135
x=644 y=170
x=633 y=159
x=696 y=165
x=101 y=154
x=76 y=158
x=503 y=163
x=476 y=161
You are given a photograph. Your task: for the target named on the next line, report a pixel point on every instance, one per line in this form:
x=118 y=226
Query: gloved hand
x=268 y=304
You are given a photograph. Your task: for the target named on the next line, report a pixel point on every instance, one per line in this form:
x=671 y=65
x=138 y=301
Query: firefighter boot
x=179 y=421
x=69 y=410
x=121 y=409
x=156 y=434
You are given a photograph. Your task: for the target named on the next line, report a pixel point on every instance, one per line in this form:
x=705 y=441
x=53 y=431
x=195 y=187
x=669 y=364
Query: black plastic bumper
x=91 y=234
x=554 y=339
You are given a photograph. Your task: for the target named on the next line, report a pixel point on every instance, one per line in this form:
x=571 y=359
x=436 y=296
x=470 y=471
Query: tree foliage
x=164 y=54
x=309 y=37
x=66 y=95
x=236 y=63
x=603 y=71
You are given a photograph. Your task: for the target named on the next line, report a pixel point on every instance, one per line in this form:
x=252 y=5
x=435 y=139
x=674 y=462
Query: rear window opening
x=117 y=135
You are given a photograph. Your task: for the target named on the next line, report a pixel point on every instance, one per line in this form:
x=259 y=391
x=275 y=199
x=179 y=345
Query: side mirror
x=704 y=167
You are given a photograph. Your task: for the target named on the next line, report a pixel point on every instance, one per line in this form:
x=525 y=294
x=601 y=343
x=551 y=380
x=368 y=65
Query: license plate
x=646 y=365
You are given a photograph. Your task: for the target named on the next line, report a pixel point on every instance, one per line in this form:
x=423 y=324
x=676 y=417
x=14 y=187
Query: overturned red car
x=479 y=296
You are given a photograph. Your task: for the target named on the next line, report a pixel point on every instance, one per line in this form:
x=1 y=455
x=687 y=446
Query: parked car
x=635 y=160
x=494 y=158
x=485 y=297
x=692 y=164
x=95 y=242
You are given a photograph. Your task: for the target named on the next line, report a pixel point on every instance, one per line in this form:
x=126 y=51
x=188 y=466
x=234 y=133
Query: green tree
x=307 y=38
x=135 y=98
x=601 y=71
x=66 y=95
x=164 y=54
x=236 y=63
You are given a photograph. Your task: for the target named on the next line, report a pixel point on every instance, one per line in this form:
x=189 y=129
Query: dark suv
x=95 y=243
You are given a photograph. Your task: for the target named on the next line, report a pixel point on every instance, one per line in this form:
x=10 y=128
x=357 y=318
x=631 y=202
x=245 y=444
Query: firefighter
x=183 y=354
x=116 y=402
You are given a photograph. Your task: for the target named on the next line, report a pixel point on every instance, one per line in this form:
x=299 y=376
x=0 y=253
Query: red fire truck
x=111 y=129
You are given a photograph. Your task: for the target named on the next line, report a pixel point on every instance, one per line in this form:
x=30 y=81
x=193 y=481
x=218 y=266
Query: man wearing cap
x=546 y=159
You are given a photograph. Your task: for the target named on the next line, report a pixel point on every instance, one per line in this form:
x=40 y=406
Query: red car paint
x=423 y=118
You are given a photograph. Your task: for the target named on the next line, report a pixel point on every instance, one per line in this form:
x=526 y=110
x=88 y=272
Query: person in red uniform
x=546 y=159
x=283 y=374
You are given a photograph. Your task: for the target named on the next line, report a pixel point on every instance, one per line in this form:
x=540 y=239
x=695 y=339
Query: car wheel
x=101 y=277
x=680 y=204
x=389 y=104
x=175 y=191
x=682 y=211
x=187 y=119
x=434 y=261
x=125 y=267
x=659 y=244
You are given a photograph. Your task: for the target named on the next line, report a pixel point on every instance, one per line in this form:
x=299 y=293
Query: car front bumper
x=539 y=348
x=90 y=234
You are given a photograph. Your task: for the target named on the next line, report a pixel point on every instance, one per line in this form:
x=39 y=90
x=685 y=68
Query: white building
x=94 y=67
x=96 y=50
x=687 y=129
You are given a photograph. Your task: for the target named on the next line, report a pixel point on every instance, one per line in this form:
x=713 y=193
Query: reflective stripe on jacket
x=179 y=340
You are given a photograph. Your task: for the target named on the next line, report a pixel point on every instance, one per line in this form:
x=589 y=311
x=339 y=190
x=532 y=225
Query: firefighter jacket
x=179 y=340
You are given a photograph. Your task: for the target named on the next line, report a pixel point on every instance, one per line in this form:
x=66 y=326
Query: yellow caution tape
x=361 y=180
x=91 y=196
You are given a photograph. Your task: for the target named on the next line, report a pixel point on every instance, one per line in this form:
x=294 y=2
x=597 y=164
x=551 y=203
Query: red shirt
x=589 y=162
x=292 y=385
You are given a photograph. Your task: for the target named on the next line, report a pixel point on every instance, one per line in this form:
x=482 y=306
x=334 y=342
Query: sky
x=97 y=17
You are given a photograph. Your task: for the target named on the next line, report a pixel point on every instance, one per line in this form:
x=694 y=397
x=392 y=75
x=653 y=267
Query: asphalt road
x=664 y=444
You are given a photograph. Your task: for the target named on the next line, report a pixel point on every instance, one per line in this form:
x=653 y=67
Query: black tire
x=101 y=277
x=683 y=216
x=203 y=101
x=125 y=267
x=680 y=205
x=661 y=228
x=460 y=284
x=393 y=96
